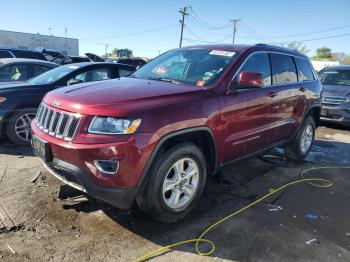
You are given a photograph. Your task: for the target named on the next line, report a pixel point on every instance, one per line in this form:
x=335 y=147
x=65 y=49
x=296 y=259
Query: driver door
x=248 y=111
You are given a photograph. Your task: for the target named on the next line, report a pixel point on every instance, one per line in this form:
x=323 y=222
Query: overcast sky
x=150 y=27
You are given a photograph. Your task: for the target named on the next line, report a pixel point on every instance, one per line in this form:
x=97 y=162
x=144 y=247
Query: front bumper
x=74 y=165
x=74 y=177
x=336 y=114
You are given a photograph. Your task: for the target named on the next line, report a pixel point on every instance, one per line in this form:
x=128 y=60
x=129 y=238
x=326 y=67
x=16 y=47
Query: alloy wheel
x=22 y=126
x=306 y=138
x=181 y=183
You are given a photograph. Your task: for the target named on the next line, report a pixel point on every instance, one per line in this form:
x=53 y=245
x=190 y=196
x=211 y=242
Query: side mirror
x=74 y=81
x=250 y=79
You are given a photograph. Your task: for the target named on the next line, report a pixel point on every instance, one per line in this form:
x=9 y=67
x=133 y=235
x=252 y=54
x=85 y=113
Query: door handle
x=272 y=94
x=302 y=89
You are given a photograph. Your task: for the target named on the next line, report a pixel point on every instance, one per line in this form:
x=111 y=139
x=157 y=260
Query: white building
x=320 y=64
x=10 y=39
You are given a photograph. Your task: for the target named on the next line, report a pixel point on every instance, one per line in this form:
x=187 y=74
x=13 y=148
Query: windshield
x=199 y=67
x=53 y=75
x=335 y=77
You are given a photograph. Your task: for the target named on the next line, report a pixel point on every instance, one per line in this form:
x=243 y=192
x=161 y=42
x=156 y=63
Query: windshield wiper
x=159 y=78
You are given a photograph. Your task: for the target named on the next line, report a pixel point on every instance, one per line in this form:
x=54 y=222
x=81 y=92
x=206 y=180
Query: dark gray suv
x=336 y=94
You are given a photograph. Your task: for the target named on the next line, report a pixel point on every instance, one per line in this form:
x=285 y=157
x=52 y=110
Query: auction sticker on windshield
x=222 y=53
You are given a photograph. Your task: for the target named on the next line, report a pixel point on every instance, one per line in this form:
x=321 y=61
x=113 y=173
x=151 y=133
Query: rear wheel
x=18 y=126
x=301 y=144
x=175 y=184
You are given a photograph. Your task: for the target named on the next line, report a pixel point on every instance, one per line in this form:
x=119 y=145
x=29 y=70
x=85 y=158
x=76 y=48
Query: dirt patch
x=38 y=226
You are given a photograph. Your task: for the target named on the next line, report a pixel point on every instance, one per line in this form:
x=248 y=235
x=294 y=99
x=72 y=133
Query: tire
x=158 y=195
x=299 y=148
x=20 y=135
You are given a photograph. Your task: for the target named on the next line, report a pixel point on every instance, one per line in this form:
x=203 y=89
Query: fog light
x=109 y=167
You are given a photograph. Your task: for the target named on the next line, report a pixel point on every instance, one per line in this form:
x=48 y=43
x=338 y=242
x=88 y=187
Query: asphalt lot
x=37 y=226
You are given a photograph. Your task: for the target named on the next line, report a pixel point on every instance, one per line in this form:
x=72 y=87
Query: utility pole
x=234 y=21
x=106 y=51
x=66 y=40
x=183 y=11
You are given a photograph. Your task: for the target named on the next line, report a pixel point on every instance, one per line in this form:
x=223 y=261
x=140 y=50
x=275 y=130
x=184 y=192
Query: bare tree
x=299 y=46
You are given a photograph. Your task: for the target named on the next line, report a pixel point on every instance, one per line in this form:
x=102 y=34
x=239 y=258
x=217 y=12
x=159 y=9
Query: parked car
x=22 y=69
x=19 y=102
x=19 y=53
x=132 y=61
x=336 y=94
x=59 y=58
x=153 y=137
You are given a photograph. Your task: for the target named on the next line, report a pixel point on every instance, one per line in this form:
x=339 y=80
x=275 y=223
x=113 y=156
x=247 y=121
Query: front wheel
x=300 y=146
x=175 y=184
x=18 y=126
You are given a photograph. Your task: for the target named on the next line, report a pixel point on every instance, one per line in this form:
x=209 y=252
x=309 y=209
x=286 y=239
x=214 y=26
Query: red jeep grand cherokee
x=153 y=137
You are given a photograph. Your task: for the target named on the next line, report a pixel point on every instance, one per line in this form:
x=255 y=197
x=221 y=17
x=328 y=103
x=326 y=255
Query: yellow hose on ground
x=315 y=182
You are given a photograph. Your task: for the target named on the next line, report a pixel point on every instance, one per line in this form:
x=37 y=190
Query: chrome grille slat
x=60 y=124
x=51 y=121
x=69 y=122
x=42 y=118
x=333 y=100
x=47 y=120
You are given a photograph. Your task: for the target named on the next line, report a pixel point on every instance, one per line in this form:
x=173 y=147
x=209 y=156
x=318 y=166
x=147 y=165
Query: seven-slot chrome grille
x=57 y=123
x=332 y=101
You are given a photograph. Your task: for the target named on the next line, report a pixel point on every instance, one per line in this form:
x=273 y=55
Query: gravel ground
x=35 y=225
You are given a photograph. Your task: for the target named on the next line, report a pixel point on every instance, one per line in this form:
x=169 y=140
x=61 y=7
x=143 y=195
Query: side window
x=39 y=69
x=14 y=73
x=257 y=63
x=92 y=75
x=124 y=72
x=283 y=69
x=5 y=54
x=304 y=70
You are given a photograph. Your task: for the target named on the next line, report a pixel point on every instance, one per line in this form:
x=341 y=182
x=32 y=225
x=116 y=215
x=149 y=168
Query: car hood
x=119 y=97
x=335 y=90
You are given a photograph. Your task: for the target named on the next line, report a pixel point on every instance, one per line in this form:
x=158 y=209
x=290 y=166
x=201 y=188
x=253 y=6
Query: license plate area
x=324 y=112
x=42 y=149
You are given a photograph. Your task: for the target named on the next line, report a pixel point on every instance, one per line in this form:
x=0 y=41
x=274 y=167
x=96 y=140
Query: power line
x=132 y=34
x=198 y=27
x=200 y=39
x=311 y=33
x=204 y=23
x=311 y=39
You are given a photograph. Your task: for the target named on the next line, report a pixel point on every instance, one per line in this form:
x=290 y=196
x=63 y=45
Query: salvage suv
x=155 y=136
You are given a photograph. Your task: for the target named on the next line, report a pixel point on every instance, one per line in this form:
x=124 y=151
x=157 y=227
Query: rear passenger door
x=284 y=103
x=307 y=84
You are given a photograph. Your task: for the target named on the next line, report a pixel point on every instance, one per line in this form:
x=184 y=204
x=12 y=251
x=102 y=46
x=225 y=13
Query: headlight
x=111 y=125
x=2 y=99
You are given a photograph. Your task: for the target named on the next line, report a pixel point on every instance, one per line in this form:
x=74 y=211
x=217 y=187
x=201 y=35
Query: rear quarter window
x=283 y=69
x=304 y=70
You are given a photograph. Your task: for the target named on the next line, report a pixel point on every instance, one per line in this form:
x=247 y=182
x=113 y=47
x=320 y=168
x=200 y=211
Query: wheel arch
x=315 y=112
x=201 y=136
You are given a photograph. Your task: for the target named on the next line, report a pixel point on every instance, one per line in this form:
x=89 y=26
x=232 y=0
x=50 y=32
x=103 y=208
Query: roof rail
x=278 y=47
